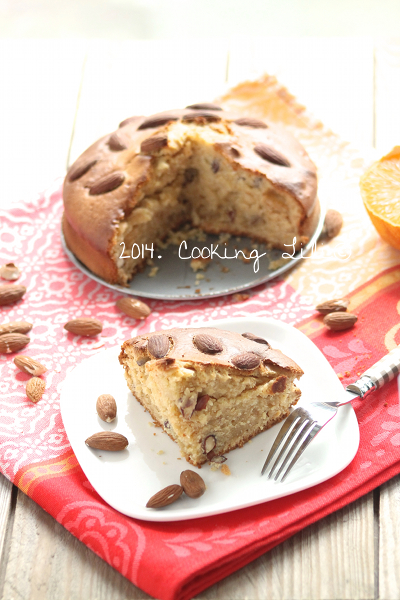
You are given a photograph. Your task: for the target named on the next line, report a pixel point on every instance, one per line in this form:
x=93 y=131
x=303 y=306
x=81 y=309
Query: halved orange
x=380 y=191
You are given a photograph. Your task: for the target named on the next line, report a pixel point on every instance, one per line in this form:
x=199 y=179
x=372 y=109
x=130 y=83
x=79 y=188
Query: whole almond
x=107 y=440
x=255 y=338
x=133 y=308
x=129 y=120
x=156 y=121
x=332 y=224
x=166 y=496
x=271 y=155
x=106 y=184
x=154 y=143
x=330 y=306
x=15 y=327
x=11 y=293
x=249 y=122
x=193 y=485
x=77 y=171
x=12 y=342
x=339 y=320
x=246 y=361
x=158 y=345
x=115 y=142
x=204 y=106
x=84 y=326
x=35 y=388
x=26 y=364
x=106 y=407
x=10 y=272
x=208 y=344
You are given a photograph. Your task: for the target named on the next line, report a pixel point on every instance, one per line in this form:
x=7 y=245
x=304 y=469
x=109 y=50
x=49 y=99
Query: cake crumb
x=151 y=423
x=153 y=272
x=340 y=375
x=160 y=451
x=164 y=463
x=199 y=276
x=225 y=470
x=154 y=434
x=224 y=237
x=249 y=442
x=197 y=291
x=240 y=297
x=225 y=269
x=246 y=258
x=276 y=264
x=347 y=373
x=199 y=264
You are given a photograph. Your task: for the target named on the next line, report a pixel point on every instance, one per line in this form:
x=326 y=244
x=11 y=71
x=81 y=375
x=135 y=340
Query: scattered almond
x=330 y=306
x=26 y=364
x=35 y=388
x=11 y=293
x=165 y=496
x=339 y=320
x=12 y=342
x=193 y=485
x=106 y=407
x=133 y=308
x=84 y=326
x=107 y=440
x=10 y=272
x=332 y=224
x=15 y=327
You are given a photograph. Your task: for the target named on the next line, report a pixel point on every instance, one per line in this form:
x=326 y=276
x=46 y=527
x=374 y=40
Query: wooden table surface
x=60 y=96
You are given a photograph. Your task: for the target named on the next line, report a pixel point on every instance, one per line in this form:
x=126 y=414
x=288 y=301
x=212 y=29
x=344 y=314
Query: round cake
x=218 y=171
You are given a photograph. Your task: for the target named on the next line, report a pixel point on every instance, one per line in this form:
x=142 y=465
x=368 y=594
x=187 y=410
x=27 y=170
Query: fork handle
x=376 y=376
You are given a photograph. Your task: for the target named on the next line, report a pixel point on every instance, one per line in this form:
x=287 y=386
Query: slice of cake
x=210 y=390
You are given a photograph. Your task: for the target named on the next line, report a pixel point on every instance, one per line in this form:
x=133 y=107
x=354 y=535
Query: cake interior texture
x=196 y=179
x=205 y=403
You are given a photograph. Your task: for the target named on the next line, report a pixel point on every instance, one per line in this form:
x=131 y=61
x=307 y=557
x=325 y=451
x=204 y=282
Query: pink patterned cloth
x=35 y=453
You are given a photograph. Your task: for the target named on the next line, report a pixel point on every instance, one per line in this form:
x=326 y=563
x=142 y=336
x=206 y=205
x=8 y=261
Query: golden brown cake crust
x=104 y=185
x=183 y=346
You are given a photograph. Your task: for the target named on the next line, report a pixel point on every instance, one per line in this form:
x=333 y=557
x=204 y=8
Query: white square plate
x=127 y=479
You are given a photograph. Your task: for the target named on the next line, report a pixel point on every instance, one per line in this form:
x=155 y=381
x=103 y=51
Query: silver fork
x=303 y=424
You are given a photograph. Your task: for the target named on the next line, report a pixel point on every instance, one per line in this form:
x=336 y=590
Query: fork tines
x=293 y=438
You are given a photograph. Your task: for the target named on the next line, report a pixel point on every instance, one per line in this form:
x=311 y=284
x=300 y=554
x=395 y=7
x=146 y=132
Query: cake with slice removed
x=220 y=172
x=210 y=390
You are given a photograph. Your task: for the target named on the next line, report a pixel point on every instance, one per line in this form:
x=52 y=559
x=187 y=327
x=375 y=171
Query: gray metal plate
x=176 y=280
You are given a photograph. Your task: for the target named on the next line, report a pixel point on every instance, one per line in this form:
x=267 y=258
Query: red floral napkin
x=35 y=453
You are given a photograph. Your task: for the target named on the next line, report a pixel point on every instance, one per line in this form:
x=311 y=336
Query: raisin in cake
x=202 y=165
x=210 y=390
